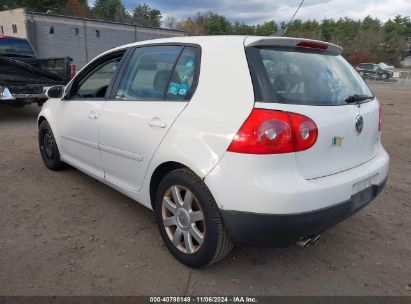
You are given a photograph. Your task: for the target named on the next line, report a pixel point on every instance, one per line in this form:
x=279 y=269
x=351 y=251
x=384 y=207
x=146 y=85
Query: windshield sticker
x=189 y=64
x=173 y=88
x=183 y=89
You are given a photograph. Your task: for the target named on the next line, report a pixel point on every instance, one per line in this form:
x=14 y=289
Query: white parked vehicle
x=231 y=139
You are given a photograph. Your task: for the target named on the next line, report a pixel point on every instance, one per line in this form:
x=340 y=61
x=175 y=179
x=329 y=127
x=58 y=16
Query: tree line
x=110 y=10
x=366 y=40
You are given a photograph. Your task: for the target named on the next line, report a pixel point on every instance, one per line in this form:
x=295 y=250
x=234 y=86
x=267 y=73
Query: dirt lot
x=67 y=234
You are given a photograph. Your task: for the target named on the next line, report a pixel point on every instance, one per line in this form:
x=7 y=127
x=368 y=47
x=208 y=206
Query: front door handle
x=92 y=115
x=157 y=123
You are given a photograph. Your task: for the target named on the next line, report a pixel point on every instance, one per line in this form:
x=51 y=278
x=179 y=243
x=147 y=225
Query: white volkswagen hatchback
x=230 y=140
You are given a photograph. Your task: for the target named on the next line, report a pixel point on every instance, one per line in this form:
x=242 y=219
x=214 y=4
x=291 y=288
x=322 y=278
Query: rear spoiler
x=324 y=47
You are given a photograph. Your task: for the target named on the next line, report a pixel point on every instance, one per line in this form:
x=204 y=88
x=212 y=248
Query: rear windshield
x=15 y=48
x=284 y=75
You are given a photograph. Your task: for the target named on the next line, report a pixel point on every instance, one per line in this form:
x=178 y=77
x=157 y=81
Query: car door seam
x=160 y=143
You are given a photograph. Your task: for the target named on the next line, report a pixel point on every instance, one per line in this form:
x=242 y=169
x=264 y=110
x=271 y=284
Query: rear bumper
x=257 y=229
x=9 y=96
x=273 y=184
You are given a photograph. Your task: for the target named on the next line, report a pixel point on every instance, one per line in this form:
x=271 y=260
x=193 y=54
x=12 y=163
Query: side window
x=95 y=83
x=181 y=84
x=148 y=73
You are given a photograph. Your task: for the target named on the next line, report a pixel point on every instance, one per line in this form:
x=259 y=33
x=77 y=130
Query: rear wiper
x=357 y=98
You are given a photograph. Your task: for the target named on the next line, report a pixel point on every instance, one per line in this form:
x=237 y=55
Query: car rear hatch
x=313 y=79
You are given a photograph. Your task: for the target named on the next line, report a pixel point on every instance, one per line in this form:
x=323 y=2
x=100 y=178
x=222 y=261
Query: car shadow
x=9 y=113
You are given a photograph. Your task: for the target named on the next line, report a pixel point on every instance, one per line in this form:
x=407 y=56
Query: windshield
x=301 y=77
x=15 y=48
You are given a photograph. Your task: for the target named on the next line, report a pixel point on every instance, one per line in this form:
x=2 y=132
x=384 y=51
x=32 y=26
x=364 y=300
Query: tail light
x=379 y=118
x=72 y=70
x=274 y=132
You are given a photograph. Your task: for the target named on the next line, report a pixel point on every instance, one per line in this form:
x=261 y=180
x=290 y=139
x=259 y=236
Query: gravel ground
x=63 y=233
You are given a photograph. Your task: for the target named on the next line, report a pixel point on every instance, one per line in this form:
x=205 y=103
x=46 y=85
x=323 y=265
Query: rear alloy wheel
x=183 y=219
x=48 y=147
x=189 y=220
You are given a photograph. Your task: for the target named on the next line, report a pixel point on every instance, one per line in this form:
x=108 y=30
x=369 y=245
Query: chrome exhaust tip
x=303 y=243
x=307 y=241
x=314 y=239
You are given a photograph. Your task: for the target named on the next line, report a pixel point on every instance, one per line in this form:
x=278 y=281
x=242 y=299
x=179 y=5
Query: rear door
x=151 y=92
x=317 y=84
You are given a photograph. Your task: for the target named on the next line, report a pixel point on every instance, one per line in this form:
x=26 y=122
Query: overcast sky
x=256 y=11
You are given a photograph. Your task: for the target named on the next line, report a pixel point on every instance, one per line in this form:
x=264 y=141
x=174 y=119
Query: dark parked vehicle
x=372 y=70
x=24 y=77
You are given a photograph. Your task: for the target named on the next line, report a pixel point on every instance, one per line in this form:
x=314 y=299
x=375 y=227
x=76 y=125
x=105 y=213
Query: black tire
x=48 y=147
x=216 y=242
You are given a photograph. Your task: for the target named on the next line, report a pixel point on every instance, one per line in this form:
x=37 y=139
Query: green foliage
x=395 y=37
x=214 y=24
x=37 y=5
x=112 y=10
x=144 y=15
x=266 y=29
x=242 y=29
x=363 y=40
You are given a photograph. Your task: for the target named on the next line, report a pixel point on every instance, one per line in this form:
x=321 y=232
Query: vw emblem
x=359 y=124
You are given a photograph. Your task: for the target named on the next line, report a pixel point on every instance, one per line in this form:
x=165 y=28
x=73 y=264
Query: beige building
x=13 y=23
x=79 y=38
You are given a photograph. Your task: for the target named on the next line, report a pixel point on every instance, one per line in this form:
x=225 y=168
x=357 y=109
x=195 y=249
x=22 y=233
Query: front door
x=80 y=114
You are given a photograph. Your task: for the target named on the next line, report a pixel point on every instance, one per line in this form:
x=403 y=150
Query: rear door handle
x=92 y=115
x=157 y=123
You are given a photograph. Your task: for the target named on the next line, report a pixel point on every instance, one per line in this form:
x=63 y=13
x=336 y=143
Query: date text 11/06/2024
x=201 y=299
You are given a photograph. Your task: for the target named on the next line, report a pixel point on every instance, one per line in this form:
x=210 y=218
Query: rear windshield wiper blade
x=357 y=98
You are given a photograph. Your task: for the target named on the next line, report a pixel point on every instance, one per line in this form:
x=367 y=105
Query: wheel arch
x=158 y=174
x=47 y=119
x=49 y=112
x=40 y=119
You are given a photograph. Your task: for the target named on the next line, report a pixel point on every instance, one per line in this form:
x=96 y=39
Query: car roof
x=187 y=39
x=246 y=40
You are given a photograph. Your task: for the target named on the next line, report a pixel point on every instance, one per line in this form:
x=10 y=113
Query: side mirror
x=55 y=92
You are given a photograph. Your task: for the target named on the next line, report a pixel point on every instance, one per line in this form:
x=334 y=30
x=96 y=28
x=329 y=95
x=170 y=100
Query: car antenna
x=292 y=18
